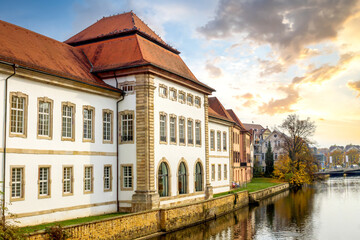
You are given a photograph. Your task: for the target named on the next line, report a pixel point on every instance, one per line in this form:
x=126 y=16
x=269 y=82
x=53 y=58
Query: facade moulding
x=43 y=77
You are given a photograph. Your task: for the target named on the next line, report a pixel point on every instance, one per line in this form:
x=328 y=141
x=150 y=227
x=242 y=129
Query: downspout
x=4 y=154
x=117 y=145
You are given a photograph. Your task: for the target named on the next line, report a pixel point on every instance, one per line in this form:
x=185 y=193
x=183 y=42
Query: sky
x=265 y=58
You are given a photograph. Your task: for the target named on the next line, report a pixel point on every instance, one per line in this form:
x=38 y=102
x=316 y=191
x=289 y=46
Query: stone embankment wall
x=163 y=220
x=265 y=193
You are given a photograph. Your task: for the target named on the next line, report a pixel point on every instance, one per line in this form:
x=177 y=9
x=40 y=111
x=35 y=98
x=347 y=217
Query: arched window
x=182 y=184
x=198 y=177
x=163 y=181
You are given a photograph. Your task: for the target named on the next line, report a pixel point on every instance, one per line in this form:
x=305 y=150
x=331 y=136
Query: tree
x=298 y=164
x=337 y=157
x=353 y=156
x=269 y=160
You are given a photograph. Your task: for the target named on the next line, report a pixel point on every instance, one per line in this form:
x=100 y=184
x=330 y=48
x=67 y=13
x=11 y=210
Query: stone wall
x=265 y=193
x=166 y=219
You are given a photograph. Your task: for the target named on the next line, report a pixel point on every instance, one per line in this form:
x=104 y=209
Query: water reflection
x=326 y=210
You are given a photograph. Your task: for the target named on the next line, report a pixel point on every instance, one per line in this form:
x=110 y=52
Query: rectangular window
x=17 y=183
x=107 y=126
x=68 y=120
x=127 y=126
x=127 y=177
x=44 y=117
x=107 y=178
x=218 y=140
x=224 y=141
x=67 y=180
x=44 y=181
x=197 y=133
x=181 y=96
x=225 y=171
x=173 y=95
x=172 y=129
x=190 y=131
x=197 y=102
x=213 y=172
x=88 y=124
x=127 y=87
x=219 y=172
x=163 y=128
x=88 y=179
x=212 y=140
x=18 y=114
x=190 y=99
x=181 y=130
x=163 y=91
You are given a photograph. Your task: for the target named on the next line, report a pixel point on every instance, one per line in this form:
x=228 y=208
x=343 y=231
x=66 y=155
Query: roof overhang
x=158 y=71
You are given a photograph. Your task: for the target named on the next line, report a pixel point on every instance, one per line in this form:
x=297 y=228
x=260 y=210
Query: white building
x=276 y=142
x=73 y=144
x=220 y=124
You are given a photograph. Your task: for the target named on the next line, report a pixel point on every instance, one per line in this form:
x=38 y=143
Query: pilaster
x=231 y=156
x=145 y=197
x=208 y=190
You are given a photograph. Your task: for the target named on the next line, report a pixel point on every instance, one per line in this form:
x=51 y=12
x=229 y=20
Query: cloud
x=354 y=85
x=287 y=26
x=326 y=72
x=314 y=75
x=282 y=105
x=248 y=96
x=213 y=71
x=247 y=99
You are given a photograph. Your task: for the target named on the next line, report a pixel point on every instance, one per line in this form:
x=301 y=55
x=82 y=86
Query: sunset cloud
x=288 y=26
x=317 y=75
x=282 y=105
x=354 y=85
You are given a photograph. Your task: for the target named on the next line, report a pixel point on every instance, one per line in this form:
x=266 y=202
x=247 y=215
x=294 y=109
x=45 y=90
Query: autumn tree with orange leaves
x=297 y=165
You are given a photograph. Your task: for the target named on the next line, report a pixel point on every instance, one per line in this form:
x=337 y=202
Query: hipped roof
x=217 y=110
x=32 y=50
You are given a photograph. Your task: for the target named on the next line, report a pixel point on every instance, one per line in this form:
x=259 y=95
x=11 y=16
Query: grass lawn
x=31 y=229
x=255 y=185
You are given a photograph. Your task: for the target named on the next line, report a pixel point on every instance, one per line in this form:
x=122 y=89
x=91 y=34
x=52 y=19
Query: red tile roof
x=113 y=26
x=32 y=50
x=235 y=118
x=249 y=126
x=131 y=51
x=217 y=110
x=124 y=41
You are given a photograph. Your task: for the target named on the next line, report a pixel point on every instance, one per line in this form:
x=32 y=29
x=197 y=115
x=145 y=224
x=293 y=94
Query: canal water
x=327 y=210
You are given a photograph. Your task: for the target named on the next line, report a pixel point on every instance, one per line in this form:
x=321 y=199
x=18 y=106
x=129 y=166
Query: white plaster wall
x=127 y=152
x=219 y=157
x=31 y=162
x=58 y=95
x=174 y=153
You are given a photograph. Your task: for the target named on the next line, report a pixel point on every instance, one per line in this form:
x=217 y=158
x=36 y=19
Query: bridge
x=340 y=172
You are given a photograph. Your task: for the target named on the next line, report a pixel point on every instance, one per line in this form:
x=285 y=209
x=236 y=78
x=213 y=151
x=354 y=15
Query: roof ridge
x=138 y=44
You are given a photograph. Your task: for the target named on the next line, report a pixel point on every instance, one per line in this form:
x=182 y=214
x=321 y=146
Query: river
x=326 y=210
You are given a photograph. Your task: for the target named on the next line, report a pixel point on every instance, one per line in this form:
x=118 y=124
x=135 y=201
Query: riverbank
x=256 y=184
x=161 y=221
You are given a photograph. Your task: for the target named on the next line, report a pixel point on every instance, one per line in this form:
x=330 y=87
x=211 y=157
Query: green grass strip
x=256 y=184
x=35 y=228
